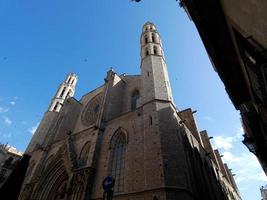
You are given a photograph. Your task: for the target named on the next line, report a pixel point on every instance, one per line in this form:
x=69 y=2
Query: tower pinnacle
x=65 y=90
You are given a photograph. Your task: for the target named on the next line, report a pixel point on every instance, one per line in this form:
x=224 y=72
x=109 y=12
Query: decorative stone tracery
x=92 y=110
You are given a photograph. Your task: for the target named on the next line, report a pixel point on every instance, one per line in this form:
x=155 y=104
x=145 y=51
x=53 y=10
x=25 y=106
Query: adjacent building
x=128 y=128
x=234 y=34
x=9 y=157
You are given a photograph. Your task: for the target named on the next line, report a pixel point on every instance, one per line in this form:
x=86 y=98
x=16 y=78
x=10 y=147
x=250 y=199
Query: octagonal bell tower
x=155 y=78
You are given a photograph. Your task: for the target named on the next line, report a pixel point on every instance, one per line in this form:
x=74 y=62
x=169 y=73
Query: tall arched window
x=118 y=147
x=84 y=154
x=135 y=97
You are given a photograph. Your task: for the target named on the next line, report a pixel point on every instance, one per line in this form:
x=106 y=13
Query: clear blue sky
x=42 y=41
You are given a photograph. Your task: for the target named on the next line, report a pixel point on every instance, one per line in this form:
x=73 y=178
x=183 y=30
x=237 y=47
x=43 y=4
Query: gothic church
x=130 y=129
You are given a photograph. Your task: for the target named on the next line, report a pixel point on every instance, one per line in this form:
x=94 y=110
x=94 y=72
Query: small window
x=62 y=93
x=147 y=52
x=135 y=97
x=153 y=38
x=151 y=120
x=155 y=50
x=55 y=108
x=68 y=94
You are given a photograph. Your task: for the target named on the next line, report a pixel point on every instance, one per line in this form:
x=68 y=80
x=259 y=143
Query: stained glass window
x=117 y=162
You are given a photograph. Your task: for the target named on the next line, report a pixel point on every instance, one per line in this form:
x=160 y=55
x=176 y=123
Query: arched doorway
x=53 y=183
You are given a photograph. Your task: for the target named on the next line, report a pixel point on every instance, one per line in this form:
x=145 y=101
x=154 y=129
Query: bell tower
x=153 y=66
x=65 y=90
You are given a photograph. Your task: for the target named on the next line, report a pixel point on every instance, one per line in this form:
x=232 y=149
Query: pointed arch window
x=134 y=99
x=84 y=154
x=155 y=50
x=153 y=38
x=117 y=161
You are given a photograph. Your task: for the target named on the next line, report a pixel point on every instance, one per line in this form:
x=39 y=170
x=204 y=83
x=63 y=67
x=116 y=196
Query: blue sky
x=42 y=41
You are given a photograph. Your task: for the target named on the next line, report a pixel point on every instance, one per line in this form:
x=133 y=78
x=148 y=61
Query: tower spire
x=65 y=90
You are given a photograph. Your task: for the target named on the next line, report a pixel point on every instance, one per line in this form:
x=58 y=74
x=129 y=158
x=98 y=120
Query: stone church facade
x=130 y=129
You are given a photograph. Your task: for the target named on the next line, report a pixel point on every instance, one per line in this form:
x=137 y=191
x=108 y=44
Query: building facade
x=234 y=34
x=9 y=158
x=130 y=129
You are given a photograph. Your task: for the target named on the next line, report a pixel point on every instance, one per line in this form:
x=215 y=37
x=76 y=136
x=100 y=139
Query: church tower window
x=55 y=108
x=135 y=97
x=155 y=51
x=118 y=147
x=153 y=38
x=61 y=95
x=68 y=94
x=147 y=52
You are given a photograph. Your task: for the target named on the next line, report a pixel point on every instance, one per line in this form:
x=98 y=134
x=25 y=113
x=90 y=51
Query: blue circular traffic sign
x=108 y=183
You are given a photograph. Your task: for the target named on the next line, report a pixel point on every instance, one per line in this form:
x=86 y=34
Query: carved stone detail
x=80 y=186
x=71 y=151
